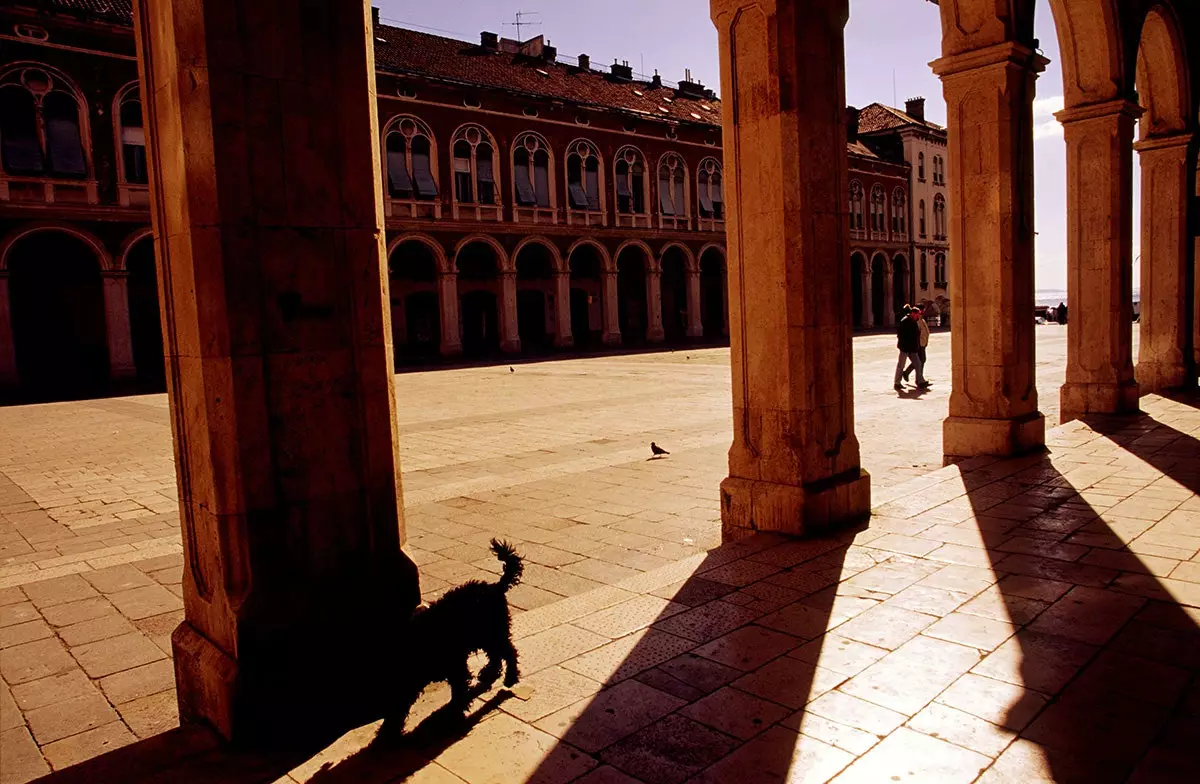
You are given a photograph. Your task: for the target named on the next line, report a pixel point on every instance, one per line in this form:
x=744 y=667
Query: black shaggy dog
x=471 y=617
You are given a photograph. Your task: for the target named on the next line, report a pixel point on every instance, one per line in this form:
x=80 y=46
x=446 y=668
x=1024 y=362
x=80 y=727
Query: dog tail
x=514 y=566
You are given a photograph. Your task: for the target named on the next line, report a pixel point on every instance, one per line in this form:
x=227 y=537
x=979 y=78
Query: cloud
x=1044 y=124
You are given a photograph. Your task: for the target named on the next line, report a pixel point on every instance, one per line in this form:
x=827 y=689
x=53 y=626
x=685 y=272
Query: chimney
x=851 y=124
x=489 y=41
x=585 y=62
x=621 y=71
x=550 y=53
x=915 y=108
x=374 y=16
x=656 y=82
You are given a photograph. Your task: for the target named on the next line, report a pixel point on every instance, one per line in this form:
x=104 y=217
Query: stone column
x=451 y=345
x=510 y=335
x=116 y=325
x=1165 y=356
x=695 y=327
x=9 y=377
x=610 y=311
x=267 y=208
x=993 y=402
x=868 y=298
x=1099 y=378
x=562 y=309
x=794 y=464
x=654 y=322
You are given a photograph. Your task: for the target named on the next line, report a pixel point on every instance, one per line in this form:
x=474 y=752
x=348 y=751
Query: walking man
x=908 y=340
x=924 y=327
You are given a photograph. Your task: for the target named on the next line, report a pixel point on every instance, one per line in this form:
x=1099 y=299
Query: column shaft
x=868 y=298
x=562 y=309
x=451 y=345
x=610 y=311
x=510 y=336
x=889 y=297
x=695 y=327
x=654 y=320
x=9 y=377
x=1099 y=377
x=117 y=326
x=993 y=402
x=1165 y=359
x=794 y=464
x=267 y=209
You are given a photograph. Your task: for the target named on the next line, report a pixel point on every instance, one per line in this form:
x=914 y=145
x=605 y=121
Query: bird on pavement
x=510 y=370
x=657 y=450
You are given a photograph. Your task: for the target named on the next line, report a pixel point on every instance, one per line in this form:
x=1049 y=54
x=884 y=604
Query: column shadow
x=1107 y=653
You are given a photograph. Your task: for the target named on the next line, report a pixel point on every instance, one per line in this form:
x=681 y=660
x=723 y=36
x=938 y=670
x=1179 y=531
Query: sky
x=889 y=44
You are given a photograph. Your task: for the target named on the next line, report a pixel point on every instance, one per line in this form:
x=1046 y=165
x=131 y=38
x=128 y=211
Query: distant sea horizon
x=1051 y=297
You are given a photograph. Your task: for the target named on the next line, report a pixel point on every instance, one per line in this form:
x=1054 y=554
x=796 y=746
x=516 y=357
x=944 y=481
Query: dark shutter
x=664 y=196
x=422 y=175
x=579 y=199
x=483 y=169
x=18 y=131
x=706 y=205
x=64 y=147
x=680 y=203
x=541 y=179
x=592 y=176
x=718 y=199
x=399 y=182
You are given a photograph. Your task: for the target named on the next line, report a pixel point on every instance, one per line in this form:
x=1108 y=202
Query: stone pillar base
x=512 y=346
x=695 y=332
x=1077 y=400
x=122 y=373
x=656 y=335
x=1159 y=377
x=964 y=437
x=451 y=349
x=611 y=338
x=564 y=341
x=750 y=506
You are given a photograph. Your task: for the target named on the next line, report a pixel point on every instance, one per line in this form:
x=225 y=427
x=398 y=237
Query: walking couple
x=912 y=337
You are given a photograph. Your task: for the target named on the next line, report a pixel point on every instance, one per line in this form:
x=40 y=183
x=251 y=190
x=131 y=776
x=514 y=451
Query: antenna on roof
x=520 y=21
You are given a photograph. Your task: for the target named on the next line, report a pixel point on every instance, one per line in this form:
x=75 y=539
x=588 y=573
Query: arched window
x=922 y=217
x=939 y=270
x=899 y=212
x=878 y=205
x=533 y=179
x=709 y=193
x=584 y=184
x=131 y=137
x=410 y=160
x=939 y=217
x=856 y=206
x=921 y=166
x=476 y=167
x=672 y=192
x=632 y=188
x=40 y=131
x=938 y=173
x=924 y=270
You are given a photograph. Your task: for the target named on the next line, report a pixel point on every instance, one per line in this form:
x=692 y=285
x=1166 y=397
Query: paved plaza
x=1002 y=618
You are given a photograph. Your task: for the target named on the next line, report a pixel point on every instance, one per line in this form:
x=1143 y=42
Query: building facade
x=907 y=136
x=532 y=203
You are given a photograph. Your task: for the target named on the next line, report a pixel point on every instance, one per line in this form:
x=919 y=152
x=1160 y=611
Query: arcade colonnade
x=794 y=464
x=474 y=295
x=279 y=339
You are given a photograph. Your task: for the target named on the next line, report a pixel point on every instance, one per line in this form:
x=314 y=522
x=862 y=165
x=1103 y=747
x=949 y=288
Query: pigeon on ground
x=510 y=370
x=657 y=450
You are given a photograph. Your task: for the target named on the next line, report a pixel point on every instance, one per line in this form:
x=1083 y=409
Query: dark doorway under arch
x=673 y=286
x=587 y=288
x=145 y=318
x=879 y=299
x=535 y=291
x=632 y=306
x=714 y=296
x=479 y=296
x=56 y=299
x=416 y=307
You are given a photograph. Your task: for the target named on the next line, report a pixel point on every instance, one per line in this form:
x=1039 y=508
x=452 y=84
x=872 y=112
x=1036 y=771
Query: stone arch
x=121 y=261
x=605 y=257
x=435 y=247
x=502 y=257
x=693 y=265
x=718 y=247
x=537 y=239
x=1091 y=50
x=901 y=288
x=652 y=261
x=102 y=255
x=1163 y=81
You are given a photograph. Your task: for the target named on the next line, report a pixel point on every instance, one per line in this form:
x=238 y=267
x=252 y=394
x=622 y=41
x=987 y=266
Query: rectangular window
x=664 y=197
x=487 y=185
x=639 y=195
x=66 y=147
x=706 y=205
x=593 y=190
x=718 y=200
x=680 y=203
x=579 y=199
x=624 y=200
x=541 y=184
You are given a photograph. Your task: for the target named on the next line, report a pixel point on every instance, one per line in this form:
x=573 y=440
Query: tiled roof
x=119 y=11
x=408 y=51
x=879 y=117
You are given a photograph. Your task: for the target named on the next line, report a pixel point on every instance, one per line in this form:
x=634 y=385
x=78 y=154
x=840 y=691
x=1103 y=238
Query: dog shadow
x=394 y=754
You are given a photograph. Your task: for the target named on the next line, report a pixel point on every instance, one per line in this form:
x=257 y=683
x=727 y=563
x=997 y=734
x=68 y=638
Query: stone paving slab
x=861 y=657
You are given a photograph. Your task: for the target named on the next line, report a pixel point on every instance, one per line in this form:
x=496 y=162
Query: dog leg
x=511 y=673
x=491 y=671
x=460 y=687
